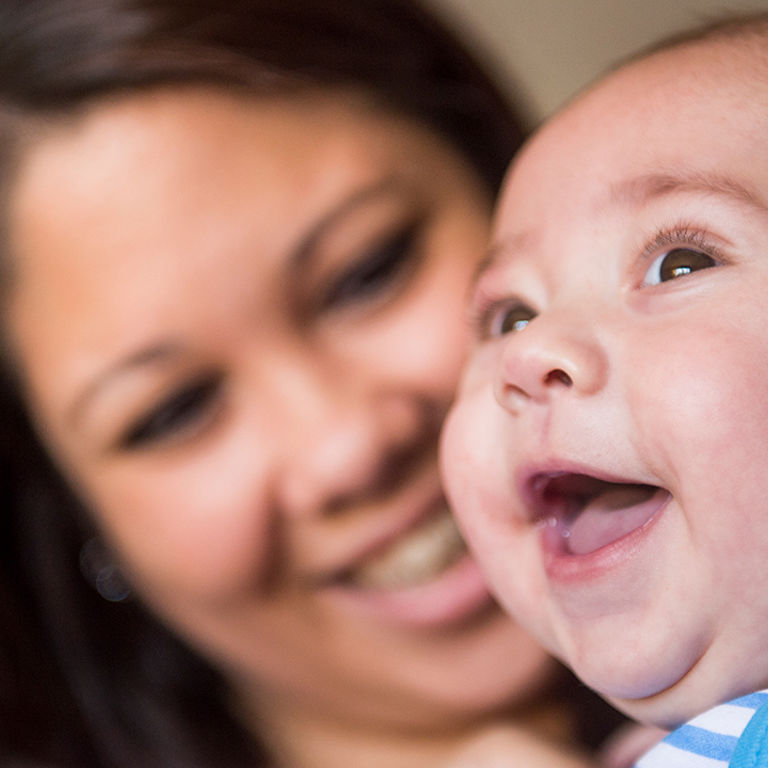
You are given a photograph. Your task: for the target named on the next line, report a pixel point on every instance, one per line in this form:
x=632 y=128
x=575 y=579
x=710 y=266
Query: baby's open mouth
x=580 y=514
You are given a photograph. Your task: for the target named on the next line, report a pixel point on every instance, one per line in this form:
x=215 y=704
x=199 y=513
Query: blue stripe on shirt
x=702 y=742
x=752 y=700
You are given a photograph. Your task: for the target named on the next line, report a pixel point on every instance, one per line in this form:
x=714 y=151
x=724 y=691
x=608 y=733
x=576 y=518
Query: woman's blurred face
x=239 y=325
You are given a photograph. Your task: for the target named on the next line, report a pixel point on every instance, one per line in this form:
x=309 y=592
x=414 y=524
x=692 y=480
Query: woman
x=236 y=240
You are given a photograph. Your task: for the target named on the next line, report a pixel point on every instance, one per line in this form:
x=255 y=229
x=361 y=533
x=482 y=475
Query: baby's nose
x=548 y=357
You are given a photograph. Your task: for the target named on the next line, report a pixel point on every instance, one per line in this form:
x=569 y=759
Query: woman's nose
x=348 y=448
x=550 y=356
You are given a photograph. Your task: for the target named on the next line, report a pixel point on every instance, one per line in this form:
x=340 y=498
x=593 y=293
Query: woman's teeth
x=416 y=557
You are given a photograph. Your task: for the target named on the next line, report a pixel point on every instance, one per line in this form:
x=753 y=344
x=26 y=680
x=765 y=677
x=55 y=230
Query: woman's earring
x=102 y=572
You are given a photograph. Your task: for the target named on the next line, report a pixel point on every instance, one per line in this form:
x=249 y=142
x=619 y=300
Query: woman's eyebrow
x=639 y=190
x=147 y=356
x=161 y=352
x=346 y=207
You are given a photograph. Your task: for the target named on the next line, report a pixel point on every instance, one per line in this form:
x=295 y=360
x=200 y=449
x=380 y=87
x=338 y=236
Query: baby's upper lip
x=551 y=488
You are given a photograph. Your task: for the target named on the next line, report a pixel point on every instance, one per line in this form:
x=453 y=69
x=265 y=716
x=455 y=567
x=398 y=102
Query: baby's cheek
x=476 y=474
x=696 y=397
x=470 y=468
x=458 y=457
x=724 y=408
x=708 y=424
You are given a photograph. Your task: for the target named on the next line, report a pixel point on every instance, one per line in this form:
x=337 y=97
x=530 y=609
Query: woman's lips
x=580 y=514
x=423 y=578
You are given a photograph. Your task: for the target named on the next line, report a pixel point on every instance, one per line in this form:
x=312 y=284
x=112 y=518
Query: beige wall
x=554 y=47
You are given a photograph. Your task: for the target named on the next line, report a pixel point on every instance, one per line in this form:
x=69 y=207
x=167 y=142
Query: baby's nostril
x=558 y=376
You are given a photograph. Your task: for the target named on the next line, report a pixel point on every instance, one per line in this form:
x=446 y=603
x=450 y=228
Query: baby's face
x=608 y=453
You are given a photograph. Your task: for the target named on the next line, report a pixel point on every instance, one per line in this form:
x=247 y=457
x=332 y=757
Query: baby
x=608 y=452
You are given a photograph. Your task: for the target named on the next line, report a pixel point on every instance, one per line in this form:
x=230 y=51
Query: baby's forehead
x=689 y=118
x=701 y=72
x=708 y=73
x=702 y=97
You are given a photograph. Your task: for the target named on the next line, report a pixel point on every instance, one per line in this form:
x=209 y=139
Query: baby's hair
x=750 y=28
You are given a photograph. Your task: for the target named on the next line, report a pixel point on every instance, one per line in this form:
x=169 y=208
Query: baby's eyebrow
x=639 y=190
x=498 y=252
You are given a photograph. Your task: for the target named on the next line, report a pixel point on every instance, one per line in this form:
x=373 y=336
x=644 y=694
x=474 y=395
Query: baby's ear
x=504 y=746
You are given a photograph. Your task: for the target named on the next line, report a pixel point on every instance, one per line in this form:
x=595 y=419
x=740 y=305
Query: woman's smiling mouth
x=580 y=514
x=415 y=557
x=424 y=577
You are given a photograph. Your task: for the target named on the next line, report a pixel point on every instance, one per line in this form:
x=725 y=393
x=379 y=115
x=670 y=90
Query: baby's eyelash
x=680 y=235
x=484 y=309
x=481 y=305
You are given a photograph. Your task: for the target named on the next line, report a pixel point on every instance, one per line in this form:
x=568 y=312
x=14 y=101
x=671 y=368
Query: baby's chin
x=666 y=709
x=665 y=693
x=693 y=694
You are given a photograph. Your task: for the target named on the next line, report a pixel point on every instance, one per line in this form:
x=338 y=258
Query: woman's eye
x=183 y=410
x=376 y=270
x=507 y=317
x=677 y=263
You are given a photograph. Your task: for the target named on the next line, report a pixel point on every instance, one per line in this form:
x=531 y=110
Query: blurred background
x=554 y=47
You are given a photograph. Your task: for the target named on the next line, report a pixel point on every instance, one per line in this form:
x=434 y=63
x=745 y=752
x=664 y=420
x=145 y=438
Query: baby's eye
x=677 y=262
x=506 y=317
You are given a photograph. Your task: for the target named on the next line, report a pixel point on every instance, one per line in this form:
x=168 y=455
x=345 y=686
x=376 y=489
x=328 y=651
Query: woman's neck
x=301 y=739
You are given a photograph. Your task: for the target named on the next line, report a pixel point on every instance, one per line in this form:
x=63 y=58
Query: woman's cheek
x=199 y=525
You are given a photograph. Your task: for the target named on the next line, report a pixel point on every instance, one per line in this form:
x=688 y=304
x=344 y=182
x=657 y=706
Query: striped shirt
x=707 y=741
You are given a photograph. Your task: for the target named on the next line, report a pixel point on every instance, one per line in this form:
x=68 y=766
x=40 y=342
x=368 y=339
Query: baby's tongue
x=613 y=511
